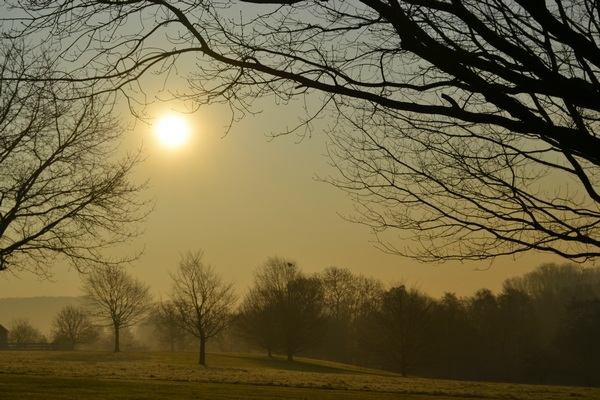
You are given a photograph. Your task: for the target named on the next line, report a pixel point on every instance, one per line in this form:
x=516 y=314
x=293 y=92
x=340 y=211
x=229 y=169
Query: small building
x=3 y=337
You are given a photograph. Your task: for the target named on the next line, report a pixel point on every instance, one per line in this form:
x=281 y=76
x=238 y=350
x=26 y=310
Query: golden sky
x=243 y=198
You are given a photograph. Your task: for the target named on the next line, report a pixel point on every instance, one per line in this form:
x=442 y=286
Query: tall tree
x=519 y=334
x=579 y=339
x=399 y=330
x=301 y=315
x=116 y=298
x=257 y=321
x=347 y=299
x=341 y=303
x=72 y=325
x=471 y=126
x=64 y=193
x=290 y=307
x=370 y=292
x=484 y=314
x=452 y=337
x=202 y=303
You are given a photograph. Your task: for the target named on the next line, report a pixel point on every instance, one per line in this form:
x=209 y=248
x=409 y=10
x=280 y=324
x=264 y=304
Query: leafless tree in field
x=116 y=298
x=284 y=309
x=201 y=302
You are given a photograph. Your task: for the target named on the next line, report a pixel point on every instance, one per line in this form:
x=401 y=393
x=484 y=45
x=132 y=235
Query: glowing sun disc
x=172 y=131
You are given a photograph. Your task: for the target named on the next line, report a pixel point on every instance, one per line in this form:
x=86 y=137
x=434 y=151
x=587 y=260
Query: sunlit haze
x=243 y=198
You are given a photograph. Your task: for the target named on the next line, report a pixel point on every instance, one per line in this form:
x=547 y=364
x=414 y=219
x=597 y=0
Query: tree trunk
x=269 y=353
x=290 y=355
x=202 y=357
x=117 y=348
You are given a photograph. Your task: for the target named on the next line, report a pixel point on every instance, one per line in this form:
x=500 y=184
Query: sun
x=172 y=131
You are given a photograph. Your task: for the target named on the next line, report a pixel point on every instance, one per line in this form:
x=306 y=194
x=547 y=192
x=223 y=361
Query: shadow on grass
x=281 y=363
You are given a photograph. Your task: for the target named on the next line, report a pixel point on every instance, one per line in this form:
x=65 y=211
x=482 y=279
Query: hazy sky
x=243 y=198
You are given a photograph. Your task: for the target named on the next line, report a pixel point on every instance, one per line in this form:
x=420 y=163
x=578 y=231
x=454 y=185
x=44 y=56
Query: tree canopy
x=116 y=299
x=468 y=128
x=200 y=301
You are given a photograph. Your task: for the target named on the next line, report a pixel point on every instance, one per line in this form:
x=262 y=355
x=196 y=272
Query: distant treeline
x=543 y=327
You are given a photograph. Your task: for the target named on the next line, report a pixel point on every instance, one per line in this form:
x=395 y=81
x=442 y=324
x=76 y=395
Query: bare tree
x=302 y=316
x=167 y=328
x=288 y=307
x=72 y=325
x=348 y=301
x=257 y=322
x=21 y=331
x=202 y=303
x=340 y=290
x=468 y=127
x=341 y=304
x=64 y=193
x=399 y=329
x=116 y=298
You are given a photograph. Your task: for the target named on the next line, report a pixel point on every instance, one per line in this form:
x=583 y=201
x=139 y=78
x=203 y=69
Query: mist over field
x=39 y=310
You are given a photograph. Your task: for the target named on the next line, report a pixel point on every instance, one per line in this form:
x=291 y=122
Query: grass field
x=129 y=376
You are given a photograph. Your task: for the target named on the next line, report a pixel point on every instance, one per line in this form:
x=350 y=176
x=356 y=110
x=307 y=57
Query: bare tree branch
x=469 y=128
x=63 y=192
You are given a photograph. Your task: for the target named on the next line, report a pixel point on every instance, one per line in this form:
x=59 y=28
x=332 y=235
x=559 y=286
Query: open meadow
x=28 y=375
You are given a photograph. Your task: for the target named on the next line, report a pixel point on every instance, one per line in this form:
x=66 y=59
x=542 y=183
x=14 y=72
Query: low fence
x=35 y=346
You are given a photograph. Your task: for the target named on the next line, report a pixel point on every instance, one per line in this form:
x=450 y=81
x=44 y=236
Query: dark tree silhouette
x=64 y=193
x=341 y=303
x=116 y=298
x=519 y=335
x=72 y=325
x=452 y=332
x=288 y=306
x=257 y=321
x=201 y=303
x=579 y=338
x=400 y=328
x=468 y=127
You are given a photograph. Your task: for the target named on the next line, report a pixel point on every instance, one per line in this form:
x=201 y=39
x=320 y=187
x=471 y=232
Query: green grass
x=35 y=388
x=155 y=375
